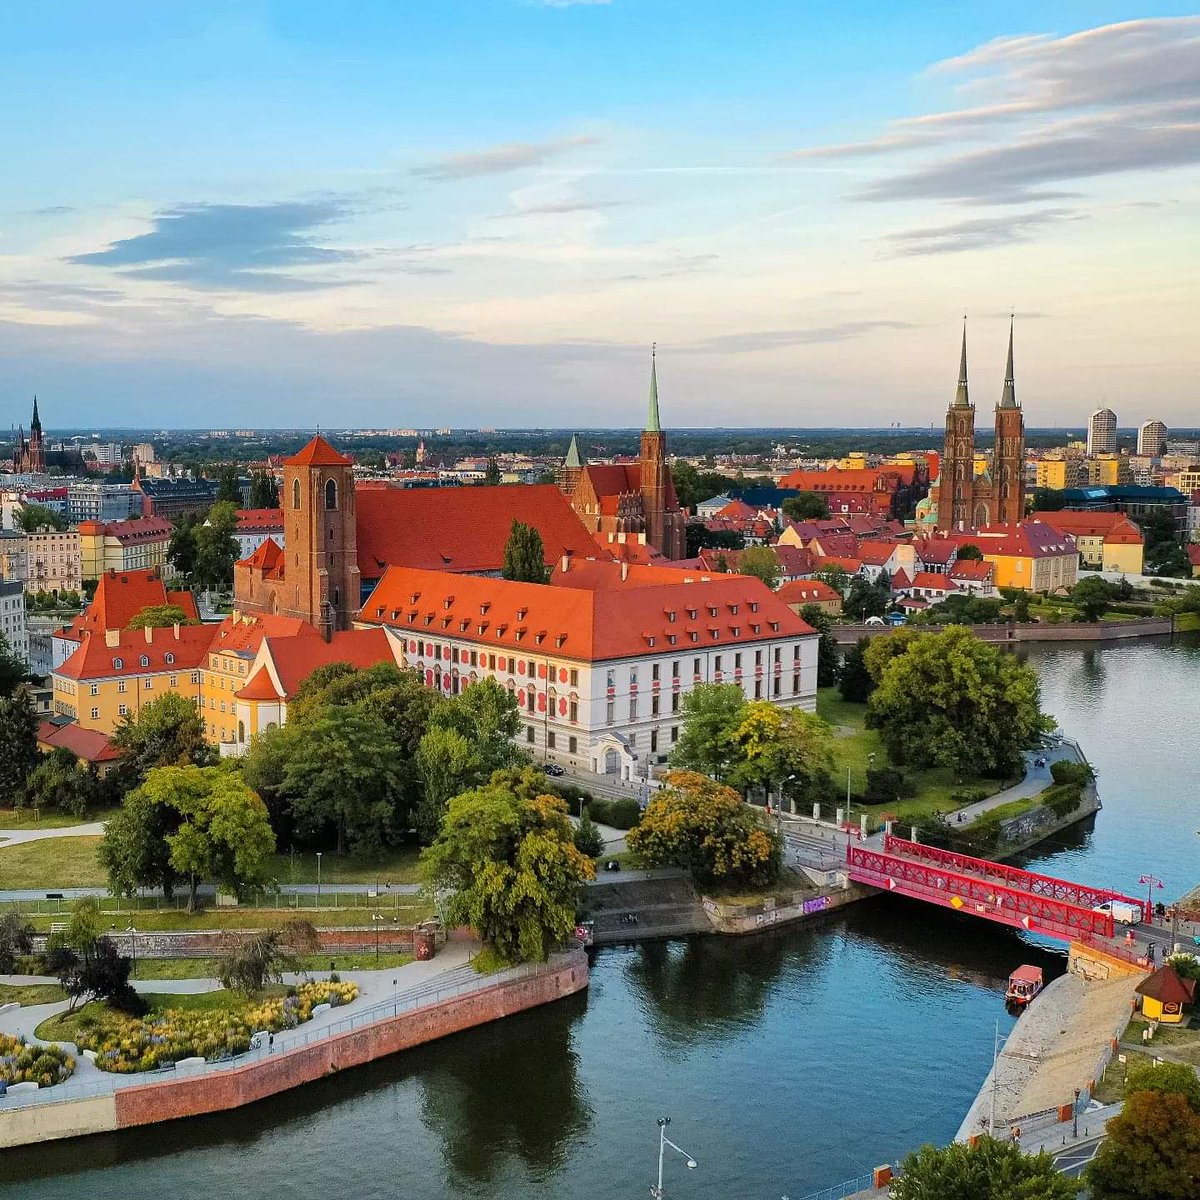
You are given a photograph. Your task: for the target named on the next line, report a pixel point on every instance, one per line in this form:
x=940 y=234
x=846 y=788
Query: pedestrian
x=271 y=1043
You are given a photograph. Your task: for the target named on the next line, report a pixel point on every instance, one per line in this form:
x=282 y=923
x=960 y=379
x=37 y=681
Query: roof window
x=448 y=602
x=559 y=640
x=118 y=663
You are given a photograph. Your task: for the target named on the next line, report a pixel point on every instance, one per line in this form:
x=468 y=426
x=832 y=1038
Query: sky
x=393 y=213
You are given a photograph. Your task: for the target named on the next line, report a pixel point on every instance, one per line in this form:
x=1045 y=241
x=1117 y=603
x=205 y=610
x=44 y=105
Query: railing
x=848 y=1187
x=468 y=982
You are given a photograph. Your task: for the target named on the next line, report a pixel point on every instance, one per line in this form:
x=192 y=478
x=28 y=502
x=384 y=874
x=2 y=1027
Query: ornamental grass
x=125 y=1044
x=28 y=1062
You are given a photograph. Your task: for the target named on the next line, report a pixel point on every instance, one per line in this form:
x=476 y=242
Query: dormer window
x=414 y=597
x=695 y=636
x=429 y=618
x=693 y=613
x=540 y=637
x=650 y=640
x=449 y=600
x=774 y=626
x=522 y=613
x=670 y=614
x=482 y=627
x=519 y=635
x=118 y=664
x=754 y=606
x=672 y=638
x=712 y=610
x=484 y=607
x=143 y=661
x=169 y=659
x=559 y=640
x=733 y=609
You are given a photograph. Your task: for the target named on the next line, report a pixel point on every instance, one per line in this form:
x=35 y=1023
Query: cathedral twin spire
x=1008 y=397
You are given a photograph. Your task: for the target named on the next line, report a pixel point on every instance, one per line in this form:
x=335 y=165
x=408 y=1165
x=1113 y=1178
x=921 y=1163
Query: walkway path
x=12 y=837
x=1036 y=780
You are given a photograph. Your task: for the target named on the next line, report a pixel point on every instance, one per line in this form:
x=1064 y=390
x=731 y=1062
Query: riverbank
x=1066 y=631
x=446 y=1001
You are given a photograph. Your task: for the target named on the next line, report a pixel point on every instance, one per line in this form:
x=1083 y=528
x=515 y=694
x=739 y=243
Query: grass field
x=52 y=863
x=206 y=968
x=853 y=747
x=47 y=818
x=31 y=993
x=392 y=866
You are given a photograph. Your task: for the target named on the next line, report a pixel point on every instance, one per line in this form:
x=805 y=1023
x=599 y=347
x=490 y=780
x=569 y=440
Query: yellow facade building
x=123 y=546
x=1106 y=541
x=1030 y=555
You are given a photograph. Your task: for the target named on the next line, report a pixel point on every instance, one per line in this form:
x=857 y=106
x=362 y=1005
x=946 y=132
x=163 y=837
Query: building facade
x=123 y=546
x=53 y=561
x=1102 y=432
x=1152 y=439
x=1106 y=541
x=12 y=619
x=30 y=455
x=102 y=502
x=966 y=497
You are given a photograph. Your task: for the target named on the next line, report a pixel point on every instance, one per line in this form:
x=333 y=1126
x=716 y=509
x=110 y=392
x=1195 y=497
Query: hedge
x=622 y=813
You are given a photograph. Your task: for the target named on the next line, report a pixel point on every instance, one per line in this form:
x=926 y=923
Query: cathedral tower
x=1008 y=458
x=956 y=479
x=654 y=465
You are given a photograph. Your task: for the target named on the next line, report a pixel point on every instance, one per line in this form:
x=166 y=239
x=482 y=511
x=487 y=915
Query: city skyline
x=483 y=214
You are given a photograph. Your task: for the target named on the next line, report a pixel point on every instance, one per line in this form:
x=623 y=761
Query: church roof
x=573 y=459
x=653 y=425
x=1008 y=398
x=961 y=398
x=318 y=453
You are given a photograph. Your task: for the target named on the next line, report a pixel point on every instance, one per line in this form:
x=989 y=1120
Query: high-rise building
x=1152 y=437
x=1102 y=432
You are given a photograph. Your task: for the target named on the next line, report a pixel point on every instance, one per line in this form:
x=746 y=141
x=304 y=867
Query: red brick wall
x=214 y=1092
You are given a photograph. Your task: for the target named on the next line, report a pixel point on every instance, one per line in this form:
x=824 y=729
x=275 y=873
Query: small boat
x=1023 y=984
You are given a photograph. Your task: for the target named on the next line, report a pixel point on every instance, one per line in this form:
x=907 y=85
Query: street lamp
x=1075 y=1116
x=663 y=1143
x=375 y=919
x=318 y=878
x=132 y=948
x=1151 y=882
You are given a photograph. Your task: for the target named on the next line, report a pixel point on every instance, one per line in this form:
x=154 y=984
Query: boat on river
x=1023 y=985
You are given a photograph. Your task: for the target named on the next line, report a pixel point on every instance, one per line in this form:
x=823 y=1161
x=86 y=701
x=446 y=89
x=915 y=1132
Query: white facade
x=1102 y=432
x=249 y=540
x=1152 y=437
x=12 y=619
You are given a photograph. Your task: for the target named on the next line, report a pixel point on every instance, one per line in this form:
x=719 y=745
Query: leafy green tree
x=762 y=563
x=491 y=476
x=1092 y=596
x=880 y=650
x=829 y=661
x=524 y=555
x=511 y=867
x=229 y=488
x=160 y=616
x=684 y=476
x=588 y=838
x=18 y=747
x=953 y=700
x=1048 y=500
x=13 y=672
x=168 y=732
x=486 y=714
x=712 y=713
x=970 y=553
x=1152 y=1151
x=703 y=826
x=836 y=577
x=806 y=506
x=990 y=1170
x=856 y=684
x=1158 y=528
x=61 y=781
x=216 y=547
x=1168 y=1078
x=866 y=599
x=264 y=491
x=16 y=941
x=256 y=959
x=32 y=517
x=1020 y=608
x=134 y=851
x=182 y=550
x=786 y=748
x=448 y=765
x=1168 y=559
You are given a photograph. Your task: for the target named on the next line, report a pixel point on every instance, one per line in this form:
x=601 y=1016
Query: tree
x=216 y=547
x=829 y=662
x=18 y=747
x=217 y=829
x=524 y=555
x=1168 y=559
x=16 y=940
x=970 y=553
x=32 y=517
x=1020 y=608
x=703 y=826
x=448 y=766
x=229 y=487
x=953 y=700
x=836 y=576
x=856 y=684
x=491 y=477
x=182 y=550
x=806 y=506
x=789 y=748
x=1092 y=596
x=264 y=491
x=60 y=781
x=989 y=1170
x=866 y=599
x=486 y=714
x=256 y=959
x=13 y=672
x=880 y=650
x=1152 y=1151
x=763 y=563
x=588 y=838
x=168 y=732
x=707 y=742
x=1158 y=528
x=134 y=851
x=1048 y=500
x=512 y=869
x=160 y=616
x=684 y=477
x=1174 y=1078
x=88 y=964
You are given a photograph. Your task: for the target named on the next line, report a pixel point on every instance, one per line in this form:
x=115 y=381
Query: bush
x=965 y=796
x=577 y=798
x=588 y=839
x=622 y=813
x=1068 y=771
x=1062 y=798
x=886 y=785
x=23 y=1062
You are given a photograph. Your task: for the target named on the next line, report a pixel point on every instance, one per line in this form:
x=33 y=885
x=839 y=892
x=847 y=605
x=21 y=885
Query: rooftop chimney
x=565 y=563
x=624 y=571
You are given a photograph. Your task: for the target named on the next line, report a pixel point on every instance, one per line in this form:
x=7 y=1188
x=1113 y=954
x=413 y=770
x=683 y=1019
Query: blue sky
x=415 y=213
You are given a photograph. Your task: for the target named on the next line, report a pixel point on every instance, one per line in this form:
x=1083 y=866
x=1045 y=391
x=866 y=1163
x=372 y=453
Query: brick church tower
x=1008 y=457
x=956 y=482
x=654 y=464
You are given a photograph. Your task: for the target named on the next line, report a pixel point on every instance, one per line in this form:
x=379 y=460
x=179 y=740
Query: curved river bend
x=788 y=1062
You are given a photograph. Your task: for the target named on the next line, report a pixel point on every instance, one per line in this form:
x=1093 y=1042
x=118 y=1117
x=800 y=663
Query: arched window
x=295 y=493
x=330 y=494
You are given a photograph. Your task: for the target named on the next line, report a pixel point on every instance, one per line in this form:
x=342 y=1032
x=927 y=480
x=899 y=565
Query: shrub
x=1068 y=771
x=886 y=785
x=25 y=1062
x=1062 y=798
x=621 y=813
x=588 y=839
x=577 y=798
x=965 y=796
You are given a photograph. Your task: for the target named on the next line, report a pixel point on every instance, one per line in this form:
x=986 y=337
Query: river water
x=787 y=1062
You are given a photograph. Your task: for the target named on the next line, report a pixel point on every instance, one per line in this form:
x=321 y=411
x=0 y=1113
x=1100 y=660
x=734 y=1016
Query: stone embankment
x=105 y=1103
x=1068 y=631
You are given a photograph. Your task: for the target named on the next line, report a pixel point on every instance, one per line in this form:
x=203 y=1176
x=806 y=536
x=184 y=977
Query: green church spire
x=1008 y=398
x=653 y=425
x=961 y=399
x=573 y=459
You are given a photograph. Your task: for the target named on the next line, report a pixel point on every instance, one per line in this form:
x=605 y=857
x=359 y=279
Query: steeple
x=573 y=459
x=35 y=426
x=961 y=399
x=653 y=424
x=1008 y=398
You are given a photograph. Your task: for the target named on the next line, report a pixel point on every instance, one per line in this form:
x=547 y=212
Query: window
x=529 y=700
x=572 y=745
x=737 y=661
x=143 y=661
x=573 y=711
x=574 y=676
x=529 y=734
x=675 y=669
x=796 y=684
x=778 y=653
x=550 y=741
x=173 y=681
x=674 y=733
x=796 y=652
x=331 y=495
x=633 y=741
x=118 y=664
x=654 y=672
x=633 y=708
x=295 y=493
x=696 y=666
x=96 y=714
x=95 y=689
x=168 y=659
x=120 y=685
x=610 y=678
x=609 y=713
x=123 y=710
x=758 y=658
x=633 y=676
x=148 y=684
x=654 y=706
x=717 y=663
x=775 y=686
x=674 y=702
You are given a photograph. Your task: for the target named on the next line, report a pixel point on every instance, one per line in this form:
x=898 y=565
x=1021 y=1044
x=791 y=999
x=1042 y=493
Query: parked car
x=553 y=769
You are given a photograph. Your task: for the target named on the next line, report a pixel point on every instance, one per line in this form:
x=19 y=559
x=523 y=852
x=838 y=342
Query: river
x=787 y=1062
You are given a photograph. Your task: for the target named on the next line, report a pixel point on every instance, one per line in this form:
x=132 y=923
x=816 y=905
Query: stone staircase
x=666 y=905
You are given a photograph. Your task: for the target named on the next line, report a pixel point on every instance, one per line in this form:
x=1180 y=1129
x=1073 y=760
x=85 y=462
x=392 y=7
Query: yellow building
x=115 y=673
x=123 y=546
x=856 y=460
x=1187 y=481
x=1030 y=555
x=1165 y=994
x=1106 y=541
x=1103 y=470
x=1053 y=473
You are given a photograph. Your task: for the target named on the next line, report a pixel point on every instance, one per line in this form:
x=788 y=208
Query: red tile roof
x=294 y=659
x=594 y=574
x=148 y=529
x=1115 y=528
x=1026 y=539
x=267 y=558
x=980 y=571
x=807 y=591
x=461 y=529
x=833 y=480
x=875 y=554
x=243 y=634
x=90 y=745
x=844 y=545
x=260 y=687
x=931 y=581
x=937 y=550
x=823 y=562
x=578 y=623
x=165 y=650
x=1167 y=986
x=318 y=453
x=251 y=519
x=120 y=597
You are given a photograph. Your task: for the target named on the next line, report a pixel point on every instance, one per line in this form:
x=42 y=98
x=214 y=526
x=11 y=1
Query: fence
x=467 y=981
x=54 y=903
x=848 y=1187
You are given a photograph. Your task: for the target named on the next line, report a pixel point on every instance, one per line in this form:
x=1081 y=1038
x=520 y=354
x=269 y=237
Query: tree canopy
x=806 y=506
x=1092 y=596
x=264 y=491
x=762 y=563
x=168 y=732
x=1152 y=1151
x=829 y=663
x=18 y=747
x=990 y=1170
x=160 y=616
x=506 y=856
x=32 y=517
x=711 y=713
x=782 y=747
x=524 y=555
x=216 y=547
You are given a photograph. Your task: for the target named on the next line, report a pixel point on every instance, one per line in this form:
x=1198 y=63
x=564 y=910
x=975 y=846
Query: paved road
x=11 y=837
x=1073 y=1160
x=1036 y=780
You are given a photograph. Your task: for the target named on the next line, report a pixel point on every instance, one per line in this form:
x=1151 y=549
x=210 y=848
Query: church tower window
x=295 y=493
x=331 y=495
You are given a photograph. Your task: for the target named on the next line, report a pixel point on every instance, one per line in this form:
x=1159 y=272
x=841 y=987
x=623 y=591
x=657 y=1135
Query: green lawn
x=52 y=863
x=31 y=993
x=206 y=968
x=1187 y=622
x=392 y=866
x=852 y=751
x=48 y=818
x=149 y=920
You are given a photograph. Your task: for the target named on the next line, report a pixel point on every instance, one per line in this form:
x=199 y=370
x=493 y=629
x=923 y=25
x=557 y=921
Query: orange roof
x=250 y=519
x=148 y=529
x=931 y=581
x=267 y=558
x=1167 y=986
x=461 y=529
x=294 y=659
x=630 y=551
x=260 y=687
x=593 y=574
x=835 y=480
x=120 y=597
x=900 y=580
x=807 y=591
x=242 y=634
x=318 y=453
x=823 y=561
x=1026 y=539
x=90 y=745
x=174 y=649
x=875 y=554
x=1115 y=528
x=972 y=568
x=580 y=623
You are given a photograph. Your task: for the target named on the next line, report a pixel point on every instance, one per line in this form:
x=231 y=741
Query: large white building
x=1102 y=432
x=1152 y=439
x=12 y=618
x=599 y=661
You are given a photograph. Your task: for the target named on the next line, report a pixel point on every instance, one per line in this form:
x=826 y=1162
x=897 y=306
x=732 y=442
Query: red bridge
x=1039 y=903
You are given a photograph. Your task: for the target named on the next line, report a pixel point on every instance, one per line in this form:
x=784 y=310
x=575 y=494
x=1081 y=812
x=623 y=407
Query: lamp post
x=132 y=948
x=663 y=1143
x=318 y=878
x=1075 y=1116
x=1151 y=882
x=375 y=919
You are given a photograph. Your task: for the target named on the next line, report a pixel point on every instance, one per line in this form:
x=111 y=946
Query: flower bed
x=126 y=1044
x=24 y=1062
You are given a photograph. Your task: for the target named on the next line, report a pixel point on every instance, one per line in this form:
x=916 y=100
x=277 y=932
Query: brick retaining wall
x=1068 y=631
